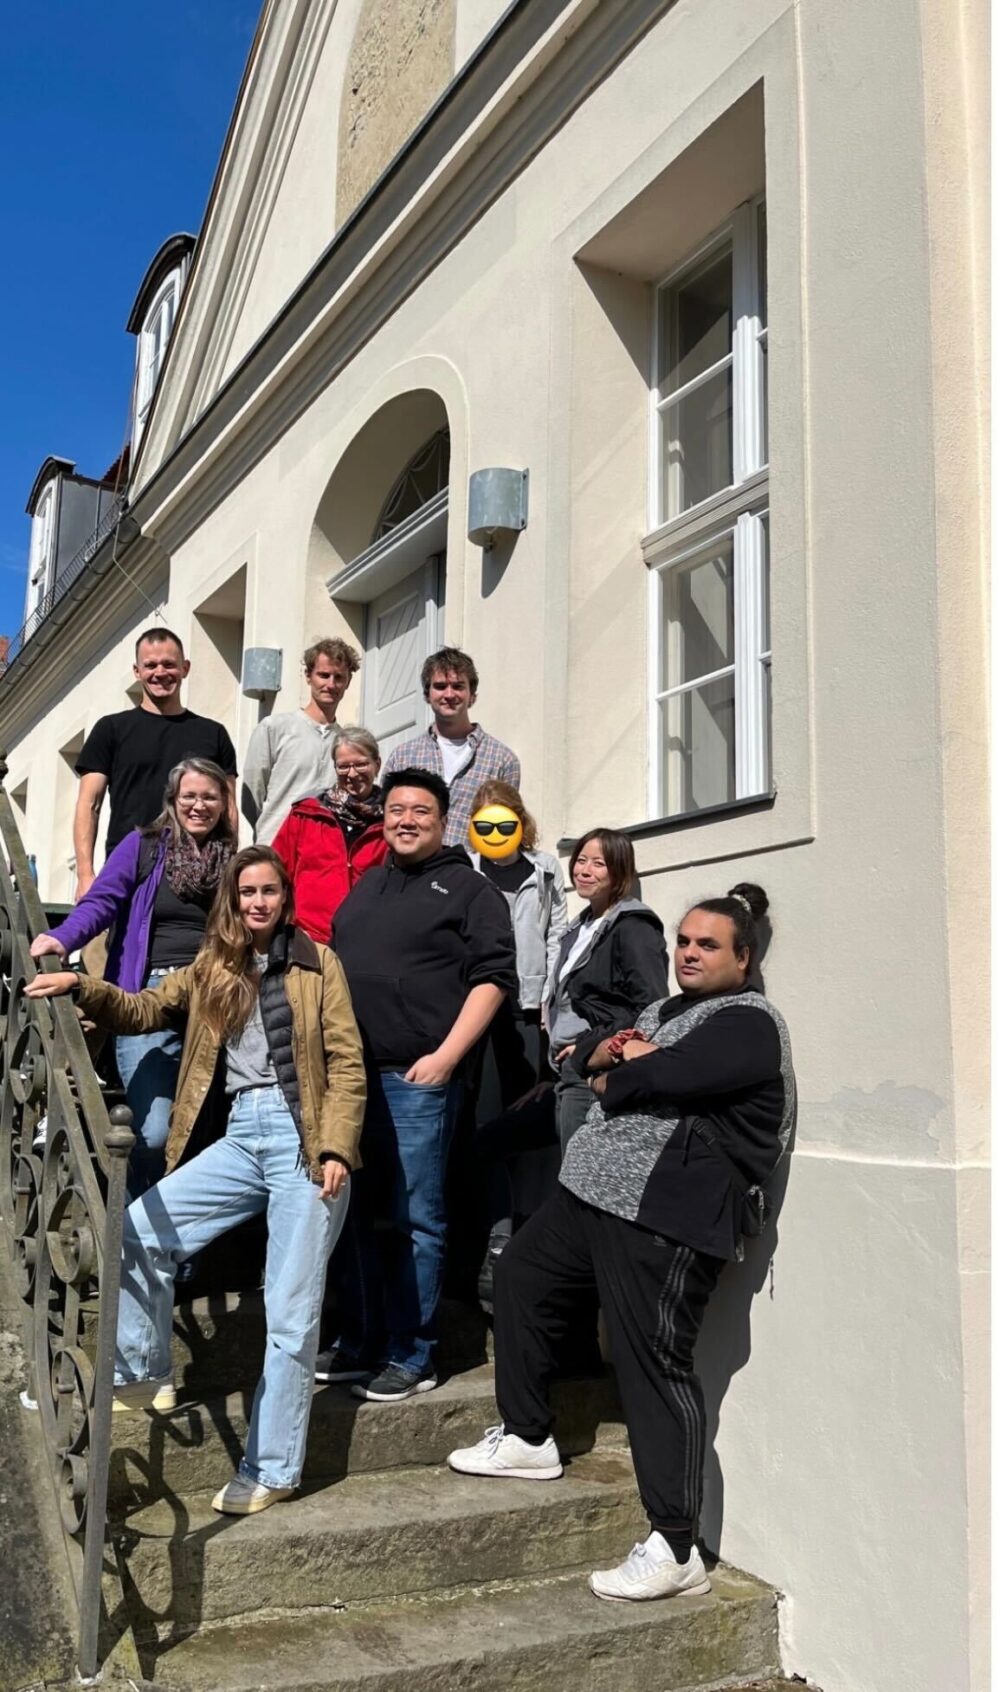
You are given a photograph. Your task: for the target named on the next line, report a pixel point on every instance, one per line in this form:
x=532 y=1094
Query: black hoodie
x=414 y=939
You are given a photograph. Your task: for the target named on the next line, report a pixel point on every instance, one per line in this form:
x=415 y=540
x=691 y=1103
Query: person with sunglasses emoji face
x=502 y=841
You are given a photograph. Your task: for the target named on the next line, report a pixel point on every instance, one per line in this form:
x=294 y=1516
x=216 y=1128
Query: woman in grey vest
x=692 y=1109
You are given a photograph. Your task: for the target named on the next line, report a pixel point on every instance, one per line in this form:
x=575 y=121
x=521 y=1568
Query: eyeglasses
x=353 y=769
x=186 y=804
x=485 y=829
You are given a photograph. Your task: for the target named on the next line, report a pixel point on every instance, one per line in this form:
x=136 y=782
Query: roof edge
x=47 y=469
x=167 y=257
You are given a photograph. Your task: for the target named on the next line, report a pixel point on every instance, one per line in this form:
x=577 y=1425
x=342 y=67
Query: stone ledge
x=195 y=1447
x=546 y=1636
x=376 y=1537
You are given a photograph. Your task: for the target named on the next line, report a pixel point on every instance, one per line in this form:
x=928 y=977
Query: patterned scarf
x=193 y=872
x=353 y=813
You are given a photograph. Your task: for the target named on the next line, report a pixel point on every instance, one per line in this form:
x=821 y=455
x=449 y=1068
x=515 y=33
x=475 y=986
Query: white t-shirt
x=587 y=933
x=454 y=756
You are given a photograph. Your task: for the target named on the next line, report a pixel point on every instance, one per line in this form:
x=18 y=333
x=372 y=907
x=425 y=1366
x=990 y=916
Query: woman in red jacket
x=327 y=842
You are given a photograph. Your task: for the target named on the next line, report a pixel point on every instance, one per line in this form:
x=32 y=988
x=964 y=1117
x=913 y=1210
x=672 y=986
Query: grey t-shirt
x=248 y=1060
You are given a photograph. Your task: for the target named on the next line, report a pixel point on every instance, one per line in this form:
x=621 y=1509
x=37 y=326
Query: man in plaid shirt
x=454 y=747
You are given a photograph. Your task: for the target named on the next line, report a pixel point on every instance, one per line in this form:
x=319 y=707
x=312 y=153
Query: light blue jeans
x=257 y=1165
x=149 y=1065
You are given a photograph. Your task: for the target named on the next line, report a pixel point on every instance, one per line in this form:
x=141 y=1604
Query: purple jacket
x=118 y=901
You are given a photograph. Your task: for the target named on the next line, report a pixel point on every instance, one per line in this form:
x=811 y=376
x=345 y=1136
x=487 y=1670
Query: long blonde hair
x=224 y=970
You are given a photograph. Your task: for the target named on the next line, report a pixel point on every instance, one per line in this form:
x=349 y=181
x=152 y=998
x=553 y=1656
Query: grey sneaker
x=337 y=1365
x=394 y=1381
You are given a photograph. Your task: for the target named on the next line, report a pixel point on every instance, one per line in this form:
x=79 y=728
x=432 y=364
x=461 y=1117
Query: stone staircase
x=389 y=1571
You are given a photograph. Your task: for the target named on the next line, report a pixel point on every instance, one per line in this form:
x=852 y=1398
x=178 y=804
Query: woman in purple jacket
x=154 y=893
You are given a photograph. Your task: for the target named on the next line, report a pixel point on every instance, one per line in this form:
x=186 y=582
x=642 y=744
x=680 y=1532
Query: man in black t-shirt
x=130 y=754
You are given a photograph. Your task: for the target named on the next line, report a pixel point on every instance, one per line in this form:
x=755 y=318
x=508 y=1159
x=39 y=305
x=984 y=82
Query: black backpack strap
x=149 y=852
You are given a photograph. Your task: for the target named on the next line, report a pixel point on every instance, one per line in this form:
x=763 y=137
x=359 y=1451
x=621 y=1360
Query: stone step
x=217 y=1344
x=549 y=1635
x=376 y=1537
x=194 y=1448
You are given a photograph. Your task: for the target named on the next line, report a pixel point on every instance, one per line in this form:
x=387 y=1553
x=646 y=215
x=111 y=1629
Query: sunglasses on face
x=485 y=829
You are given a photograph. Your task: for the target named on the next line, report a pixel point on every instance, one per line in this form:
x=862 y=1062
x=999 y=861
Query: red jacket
x=313 y=848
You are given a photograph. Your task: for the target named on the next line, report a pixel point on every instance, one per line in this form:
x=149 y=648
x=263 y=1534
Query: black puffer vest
x=276 y=1015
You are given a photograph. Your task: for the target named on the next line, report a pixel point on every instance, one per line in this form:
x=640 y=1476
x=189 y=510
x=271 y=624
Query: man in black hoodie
x=427 y=947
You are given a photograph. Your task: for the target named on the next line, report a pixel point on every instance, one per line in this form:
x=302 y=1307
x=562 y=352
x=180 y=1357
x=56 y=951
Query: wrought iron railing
x=65 y=579
x=61 y=1210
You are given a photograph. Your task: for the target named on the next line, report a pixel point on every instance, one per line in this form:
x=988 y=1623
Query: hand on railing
x=52 y=984
x=45 y=944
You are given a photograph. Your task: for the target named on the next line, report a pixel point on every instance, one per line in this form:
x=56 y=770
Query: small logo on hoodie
x=437 y=888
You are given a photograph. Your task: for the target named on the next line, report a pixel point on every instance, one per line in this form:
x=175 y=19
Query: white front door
x=402 y=628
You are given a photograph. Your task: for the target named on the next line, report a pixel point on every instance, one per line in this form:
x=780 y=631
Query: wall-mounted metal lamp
x=498 y=504
x=261 y=671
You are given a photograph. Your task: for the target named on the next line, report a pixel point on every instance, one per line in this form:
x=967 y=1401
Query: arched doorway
x=389 y=533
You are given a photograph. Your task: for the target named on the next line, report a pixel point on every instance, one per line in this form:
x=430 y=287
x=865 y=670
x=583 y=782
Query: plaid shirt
x=490 y=760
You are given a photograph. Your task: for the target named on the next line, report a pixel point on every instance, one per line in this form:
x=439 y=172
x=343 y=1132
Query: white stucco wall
x=856 y=1379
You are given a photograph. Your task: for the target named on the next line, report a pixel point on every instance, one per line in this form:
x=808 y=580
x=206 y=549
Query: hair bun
x=753 y=895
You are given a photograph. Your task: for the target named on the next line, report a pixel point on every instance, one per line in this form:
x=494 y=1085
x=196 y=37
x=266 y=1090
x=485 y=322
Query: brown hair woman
x=268 y=1010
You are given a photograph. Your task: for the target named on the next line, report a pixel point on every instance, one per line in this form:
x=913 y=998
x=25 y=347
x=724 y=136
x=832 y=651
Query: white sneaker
x=159 y=1394
x=651 y=1571
x=510 y=1458
x=241 y=1497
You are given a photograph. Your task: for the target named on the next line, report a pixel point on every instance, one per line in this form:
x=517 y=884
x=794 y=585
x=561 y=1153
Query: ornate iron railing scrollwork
x=61 y=1207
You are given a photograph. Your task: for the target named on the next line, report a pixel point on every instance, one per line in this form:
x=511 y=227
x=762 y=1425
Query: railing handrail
x=64 y=1219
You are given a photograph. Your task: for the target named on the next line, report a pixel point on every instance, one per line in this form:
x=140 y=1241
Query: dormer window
x=152 y=320
x=152 y=346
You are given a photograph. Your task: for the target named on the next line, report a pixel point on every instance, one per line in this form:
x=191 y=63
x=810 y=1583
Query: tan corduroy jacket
x=327 y=1047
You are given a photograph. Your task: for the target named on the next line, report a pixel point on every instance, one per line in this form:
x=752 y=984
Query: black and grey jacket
x=725 y=1060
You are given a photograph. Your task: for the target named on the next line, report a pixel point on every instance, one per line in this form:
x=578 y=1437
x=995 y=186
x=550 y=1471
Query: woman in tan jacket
x=270 y=1008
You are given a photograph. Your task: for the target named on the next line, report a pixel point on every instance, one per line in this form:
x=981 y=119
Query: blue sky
x=111 y=126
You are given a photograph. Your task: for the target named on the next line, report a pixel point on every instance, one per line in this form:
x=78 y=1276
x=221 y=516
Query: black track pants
x=653 y=1293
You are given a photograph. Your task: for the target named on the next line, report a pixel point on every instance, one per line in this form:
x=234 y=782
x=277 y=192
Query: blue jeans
x=149 y=1065
x=257 y=1165
x=387 y=1299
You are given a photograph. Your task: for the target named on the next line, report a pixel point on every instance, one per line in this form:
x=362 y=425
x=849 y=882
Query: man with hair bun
x=693 y=1108
x=288 y=757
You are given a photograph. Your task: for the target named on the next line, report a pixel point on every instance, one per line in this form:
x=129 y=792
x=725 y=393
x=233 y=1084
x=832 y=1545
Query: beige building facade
x=714 y=275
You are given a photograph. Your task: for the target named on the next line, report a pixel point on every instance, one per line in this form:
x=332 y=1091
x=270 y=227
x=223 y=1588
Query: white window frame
x=147 y=373
x=43 y=530
x=738 y=512
x=41 y=534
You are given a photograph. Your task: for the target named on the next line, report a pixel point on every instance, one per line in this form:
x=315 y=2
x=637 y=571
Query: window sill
x=745 y=828
x=688 y=819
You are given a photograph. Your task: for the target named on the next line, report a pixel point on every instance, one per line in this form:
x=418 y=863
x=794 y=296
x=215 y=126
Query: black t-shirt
x=178 y=928
x=505 y=874
x=137 y=750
